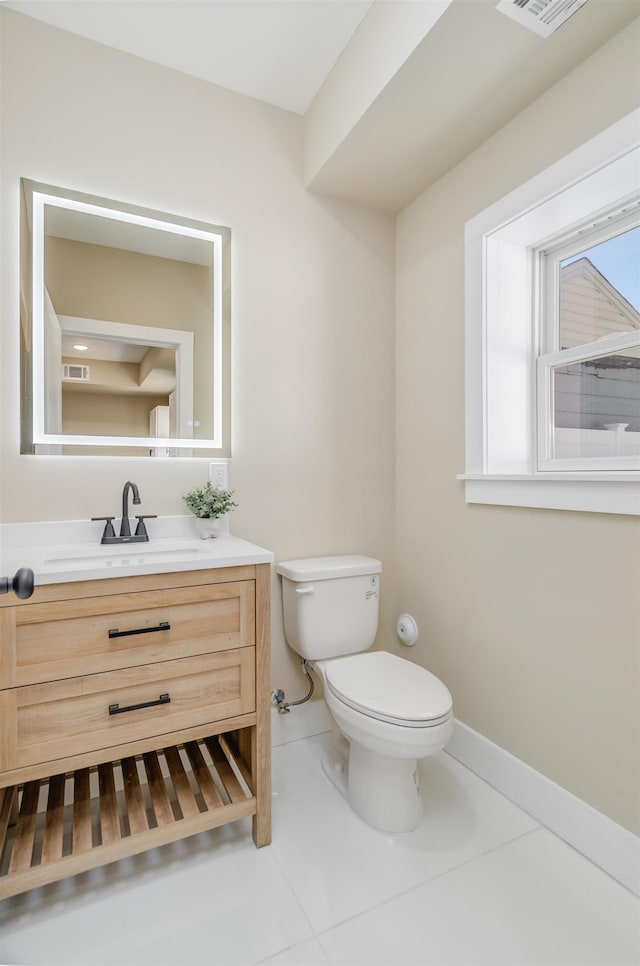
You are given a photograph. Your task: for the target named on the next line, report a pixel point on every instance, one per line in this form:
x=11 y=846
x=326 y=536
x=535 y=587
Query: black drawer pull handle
x=162 y=626
x=116 y=709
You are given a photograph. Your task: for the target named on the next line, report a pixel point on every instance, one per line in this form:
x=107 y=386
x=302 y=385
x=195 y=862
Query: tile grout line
x=419 y=885
x=314 y=934
x=318 y=935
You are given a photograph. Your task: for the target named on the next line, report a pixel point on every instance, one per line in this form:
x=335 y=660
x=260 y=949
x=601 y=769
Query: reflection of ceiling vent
x=541 y=16
x=76 y=373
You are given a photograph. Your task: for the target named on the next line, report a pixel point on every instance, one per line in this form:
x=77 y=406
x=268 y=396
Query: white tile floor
x=478 y=882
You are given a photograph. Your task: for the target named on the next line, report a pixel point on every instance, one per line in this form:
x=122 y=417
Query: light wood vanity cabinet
x=133 y=712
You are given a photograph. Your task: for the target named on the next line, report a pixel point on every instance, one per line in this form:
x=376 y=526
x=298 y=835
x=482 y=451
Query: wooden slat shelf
x=67 y=824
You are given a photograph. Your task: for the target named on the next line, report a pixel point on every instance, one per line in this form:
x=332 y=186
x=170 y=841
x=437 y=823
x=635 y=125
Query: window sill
x=588 y=492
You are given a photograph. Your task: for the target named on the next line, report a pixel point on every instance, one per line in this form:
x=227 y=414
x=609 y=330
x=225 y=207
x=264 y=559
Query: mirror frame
x=37 y=196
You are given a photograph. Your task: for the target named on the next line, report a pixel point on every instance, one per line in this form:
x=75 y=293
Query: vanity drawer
x=52 y=641
x=44 y=722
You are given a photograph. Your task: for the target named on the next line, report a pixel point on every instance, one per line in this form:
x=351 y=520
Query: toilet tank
x=330 y=604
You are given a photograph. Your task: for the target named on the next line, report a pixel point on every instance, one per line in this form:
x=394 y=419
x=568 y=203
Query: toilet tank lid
x=324 y=568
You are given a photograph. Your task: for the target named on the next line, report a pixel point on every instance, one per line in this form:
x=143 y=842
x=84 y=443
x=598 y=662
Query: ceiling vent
x=541 y=16
x=75 y=373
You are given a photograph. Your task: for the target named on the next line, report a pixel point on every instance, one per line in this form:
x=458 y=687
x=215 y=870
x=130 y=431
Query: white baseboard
x=607 y=844
x=301 y=722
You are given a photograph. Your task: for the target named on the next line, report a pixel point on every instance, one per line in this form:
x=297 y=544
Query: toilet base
x=335 y=762
x=384 y=792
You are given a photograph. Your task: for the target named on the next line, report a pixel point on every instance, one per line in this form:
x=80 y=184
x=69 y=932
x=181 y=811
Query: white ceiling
x=470 y=74
x=279 y=51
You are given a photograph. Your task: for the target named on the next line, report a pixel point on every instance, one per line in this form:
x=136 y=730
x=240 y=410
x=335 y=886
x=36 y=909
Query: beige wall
x=530 y=616
x=312 y=301
x=107 y=413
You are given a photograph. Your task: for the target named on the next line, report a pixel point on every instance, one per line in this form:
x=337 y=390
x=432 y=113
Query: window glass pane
x=597 y=407
x=600 y=290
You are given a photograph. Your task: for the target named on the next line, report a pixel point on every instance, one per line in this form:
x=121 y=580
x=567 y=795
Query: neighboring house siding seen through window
x=553 y=335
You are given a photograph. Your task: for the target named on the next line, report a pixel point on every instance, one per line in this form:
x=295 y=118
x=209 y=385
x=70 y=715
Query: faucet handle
x=108 y=528
x=141 y=530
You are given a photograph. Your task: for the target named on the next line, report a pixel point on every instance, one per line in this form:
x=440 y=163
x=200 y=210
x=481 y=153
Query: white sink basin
x=125 y=555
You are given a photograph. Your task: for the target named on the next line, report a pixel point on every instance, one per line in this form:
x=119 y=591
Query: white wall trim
x=535 y=490
x=607 y=844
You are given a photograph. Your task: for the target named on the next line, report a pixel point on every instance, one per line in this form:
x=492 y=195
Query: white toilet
x=390 y=711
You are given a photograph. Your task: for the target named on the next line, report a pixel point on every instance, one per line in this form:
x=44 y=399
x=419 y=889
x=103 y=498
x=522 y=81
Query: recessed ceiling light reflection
x=80 y=347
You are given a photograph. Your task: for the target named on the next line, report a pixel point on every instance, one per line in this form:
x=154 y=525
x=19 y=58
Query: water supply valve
x=277 y=699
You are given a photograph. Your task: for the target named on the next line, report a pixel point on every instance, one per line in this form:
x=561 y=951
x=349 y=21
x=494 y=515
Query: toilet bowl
x=388 y=712
x=391 y=713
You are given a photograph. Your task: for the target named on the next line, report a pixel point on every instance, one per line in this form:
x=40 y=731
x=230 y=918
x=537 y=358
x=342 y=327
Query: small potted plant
x=208 y=503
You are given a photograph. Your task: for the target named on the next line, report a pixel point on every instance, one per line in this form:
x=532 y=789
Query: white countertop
x=60 y=552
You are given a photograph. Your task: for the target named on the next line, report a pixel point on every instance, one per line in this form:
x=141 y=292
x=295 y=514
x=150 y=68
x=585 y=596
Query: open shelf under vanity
x=65 y=824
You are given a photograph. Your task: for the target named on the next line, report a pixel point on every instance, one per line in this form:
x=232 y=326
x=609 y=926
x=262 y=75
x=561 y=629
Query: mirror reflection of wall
x=131 y=328
x=114 y=388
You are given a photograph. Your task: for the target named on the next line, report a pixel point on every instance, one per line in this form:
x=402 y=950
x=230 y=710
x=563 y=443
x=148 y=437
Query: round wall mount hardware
x=407 y=629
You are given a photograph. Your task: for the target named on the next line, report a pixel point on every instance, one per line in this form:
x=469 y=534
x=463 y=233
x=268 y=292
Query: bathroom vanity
x=134 y=707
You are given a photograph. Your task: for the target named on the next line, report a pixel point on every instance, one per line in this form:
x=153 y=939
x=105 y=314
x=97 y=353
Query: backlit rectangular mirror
x=125 y=329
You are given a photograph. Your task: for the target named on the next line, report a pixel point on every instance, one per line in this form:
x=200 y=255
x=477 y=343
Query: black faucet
x=141 y=535
x=125 y=529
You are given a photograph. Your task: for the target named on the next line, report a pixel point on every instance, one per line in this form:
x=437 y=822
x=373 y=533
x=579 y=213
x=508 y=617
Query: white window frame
x=503 y=339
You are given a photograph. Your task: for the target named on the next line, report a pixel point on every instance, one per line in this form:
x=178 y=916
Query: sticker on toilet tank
x=373 y=587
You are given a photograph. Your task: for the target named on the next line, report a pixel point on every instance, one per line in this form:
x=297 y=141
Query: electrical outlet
x=218 y=474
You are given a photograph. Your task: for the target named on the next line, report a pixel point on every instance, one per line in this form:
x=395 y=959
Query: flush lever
x=309 y=589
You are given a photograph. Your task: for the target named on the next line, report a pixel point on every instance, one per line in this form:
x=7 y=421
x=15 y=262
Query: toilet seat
x=389 y=688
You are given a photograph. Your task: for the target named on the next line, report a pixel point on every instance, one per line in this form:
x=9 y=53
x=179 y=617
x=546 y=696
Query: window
x=553 y=335
x=588 y=385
